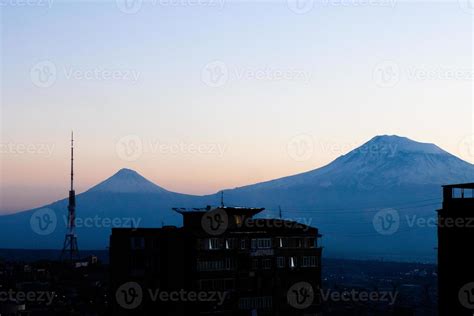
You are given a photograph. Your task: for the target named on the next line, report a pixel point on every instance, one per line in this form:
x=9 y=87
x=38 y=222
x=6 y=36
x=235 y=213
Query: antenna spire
x=70 y=250
x=222 y=198
x=72 y=160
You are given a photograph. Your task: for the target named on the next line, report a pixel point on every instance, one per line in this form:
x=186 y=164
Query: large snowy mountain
x=343 y=199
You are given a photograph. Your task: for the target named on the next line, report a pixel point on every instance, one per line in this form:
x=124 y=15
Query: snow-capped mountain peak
x=127 y=181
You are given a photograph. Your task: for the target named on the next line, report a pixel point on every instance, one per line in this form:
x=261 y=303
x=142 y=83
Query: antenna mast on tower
x=70 y=250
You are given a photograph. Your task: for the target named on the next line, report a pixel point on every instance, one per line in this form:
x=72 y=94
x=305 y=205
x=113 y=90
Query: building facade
x=223 y=261
x=455 y=251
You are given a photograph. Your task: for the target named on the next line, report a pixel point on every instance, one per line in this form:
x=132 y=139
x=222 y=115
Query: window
x=253 y=244
x=309 y=261
x=305 y=262
x=229 y=263
x=311 y=243
x=255 y=303
x=280 y=262
x=230 y=243
x=264 y=243
x=293 y=262
x=238 y=219
x=214 y=243
x=137 y=243
x=282 y=242
x=254 y=264
x=242 y=244
x=215 y=265
x=267 y=264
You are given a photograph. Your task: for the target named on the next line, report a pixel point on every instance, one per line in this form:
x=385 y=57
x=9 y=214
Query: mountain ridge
x=382 y=146
x=389 y=170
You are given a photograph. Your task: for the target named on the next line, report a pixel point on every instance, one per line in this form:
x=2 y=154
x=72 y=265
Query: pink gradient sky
x=332 y=93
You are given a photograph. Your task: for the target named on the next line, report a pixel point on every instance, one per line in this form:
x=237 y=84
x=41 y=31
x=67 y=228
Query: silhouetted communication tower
x=70 y=250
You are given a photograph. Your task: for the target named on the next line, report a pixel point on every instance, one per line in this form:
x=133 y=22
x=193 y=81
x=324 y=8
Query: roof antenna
x=222 y=198
x=279 y=208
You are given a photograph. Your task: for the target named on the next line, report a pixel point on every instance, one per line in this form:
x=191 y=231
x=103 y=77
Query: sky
x=201 y=95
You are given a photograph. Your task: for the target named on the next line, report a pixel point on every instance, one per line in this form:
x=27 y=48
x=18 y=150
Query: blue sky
x=214 y=94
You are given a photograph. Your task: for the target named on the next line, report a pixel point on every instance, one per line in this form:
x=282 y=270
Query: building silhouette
x=253 y=266
x=456 y=251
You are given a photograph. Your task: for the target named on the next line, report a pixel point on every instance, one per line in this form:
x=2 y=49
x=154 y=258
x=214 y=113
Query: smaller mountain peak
x=126 y=172
x=388 y=138
x=127 y=181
